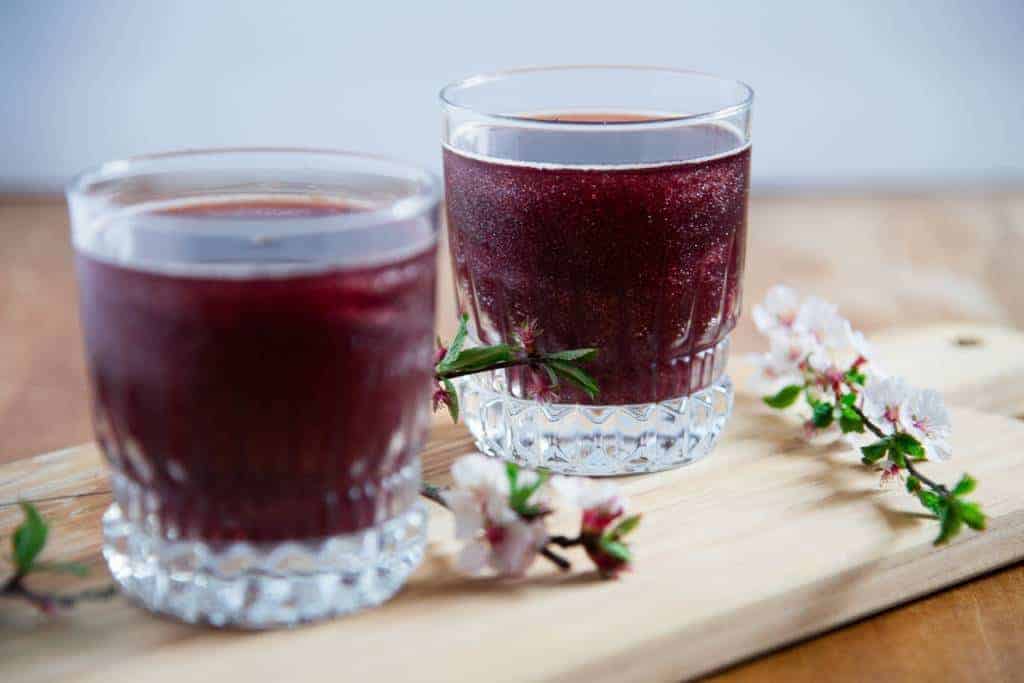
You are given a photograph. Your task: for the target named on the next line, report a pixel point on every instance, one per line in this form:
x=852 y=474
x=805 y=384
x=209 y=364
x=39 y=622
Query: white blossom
x=891 y=472
x=862 y=346
x=925 y=417
x=601 y=502
x=885 y=400
x=778 y=311
x=821 y=321
x=496 y=535
x=781 y=364
x=588 y=494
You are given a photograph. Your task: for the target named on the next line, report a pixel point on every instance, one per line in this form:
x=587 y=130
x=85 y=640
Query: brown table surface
x=886 y=260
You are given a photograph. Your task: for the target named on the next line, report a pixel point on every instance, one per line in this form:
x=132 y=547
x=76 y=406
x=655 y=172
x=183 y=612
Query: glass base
x=263 y=585
x=594 y=440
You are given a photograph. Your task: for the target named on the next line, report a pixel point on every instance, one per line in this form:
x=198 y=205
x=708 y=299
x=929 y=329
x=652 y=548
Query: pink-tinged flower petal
x=821 y=321
x=885 y=400
x=474 y=557
x=518 y=547
x=778 y=311
x=783 y=363
x=925 y=417
x=818 y=436
x=441 y=352
x=480 y=474
x=440 y=398
x=526 y=333
x=539 y=387
x=466 y=508
x=890 y=472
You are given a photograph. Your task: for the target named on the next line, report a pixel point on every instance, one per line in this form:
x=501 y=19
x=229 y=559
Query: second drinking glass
x=258 y=330
x=604 y=207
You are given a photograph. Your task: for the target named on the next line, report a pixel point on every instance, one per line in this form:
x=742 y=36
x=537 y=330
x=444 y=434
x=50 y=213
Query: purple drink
x=251 y=407
x=641 y=262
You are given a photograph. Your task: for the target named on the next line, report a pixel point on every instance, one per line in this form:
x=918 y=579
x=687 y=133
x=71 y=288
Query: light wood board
x=768 y=541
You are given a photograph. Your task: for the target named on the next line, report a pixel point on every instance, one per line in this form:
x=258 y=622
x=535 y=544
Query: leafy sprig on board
x=810 y=354
x=27 y=543
x=546 y=370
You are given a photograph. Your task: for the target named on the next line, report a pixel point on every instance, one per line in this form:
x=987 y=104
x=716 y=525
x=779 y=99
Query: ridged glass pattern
x=594 y=440
x=256 y=585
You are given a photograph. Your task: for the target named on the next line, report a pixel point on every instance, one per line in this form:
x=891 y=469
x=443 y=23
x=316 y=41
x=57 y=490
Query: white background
x=875 y=93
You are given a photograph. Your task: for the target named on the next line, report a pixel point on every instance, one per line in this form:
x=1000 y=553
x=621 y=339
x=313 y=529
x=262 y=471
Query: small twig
x=565 y=541
x=434 y=493
x=907 y=461
x=554 y=557
x=925 y=480
x=869 y=424
x=48 y=603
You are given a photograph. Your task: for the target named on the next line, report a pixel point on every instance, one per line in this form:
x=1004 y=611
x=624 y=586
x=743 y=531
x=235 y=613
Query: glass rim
x=427 y=194
x=506 y=74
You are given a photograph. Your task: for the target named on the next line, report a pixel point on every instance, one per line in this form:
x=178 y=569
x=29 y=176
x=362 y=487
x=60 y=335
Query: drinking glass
x=607 y=207
x=258 y=333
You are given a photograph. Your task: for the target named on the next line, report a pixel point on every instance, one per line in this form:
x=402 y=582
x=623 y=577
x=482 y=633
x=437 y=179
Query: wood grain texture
x=888 y=261
x=818 y=544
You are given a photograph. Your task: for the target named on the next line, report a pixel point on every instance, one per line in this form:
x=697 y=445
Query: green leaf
x=950 y=524
x=619 y=551
x=625 y=526
x=971 y=514
x=875 y=452
x=849 y=420
x=519 y=498
x=479 y=358
x=552 y=377
x=913 y=484
x=848 y=400
x=75 y=568
x=823 y=415
x=453 y=399
x=457 y=341
x=28 y=539
x=566 y=370
x=898 y=458
x=905 y=443
x=932 y=501
x=966 y=484
x=854 y=376
x=785 y=398
x=512 y=472
x=578 y=355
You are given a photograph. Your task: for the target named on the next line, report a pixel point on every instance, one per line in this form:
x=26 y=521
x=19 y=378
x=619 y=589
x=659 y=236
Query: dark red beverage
x=605 y=245
x=287 y=403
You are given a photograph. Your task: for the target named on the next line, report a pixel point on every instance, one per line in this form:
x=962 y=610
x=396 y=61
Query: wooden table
x=893 y=261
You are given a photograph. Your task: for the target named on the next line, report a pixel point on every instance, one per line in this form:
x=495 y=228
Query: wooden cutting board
x=766 y=542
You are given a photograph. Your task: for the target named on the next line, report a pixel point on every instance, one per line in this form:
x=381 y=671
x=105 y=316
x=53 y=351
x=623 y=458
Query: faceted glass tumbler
x=258 y=329
x=601 y=207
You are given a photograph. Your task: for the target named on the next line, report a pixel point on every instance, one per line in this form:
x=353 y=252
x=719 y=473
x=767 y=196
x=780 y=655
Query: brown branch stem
x=940 y=488
x=49 y=603
x=434 y=493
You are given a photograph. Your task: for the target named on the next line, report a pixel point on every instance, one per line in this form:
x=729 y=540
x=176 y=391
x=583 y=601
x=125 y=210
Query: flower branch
x=27 y=543
x=546 y=370
x=501 y=512
x=810 y=352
